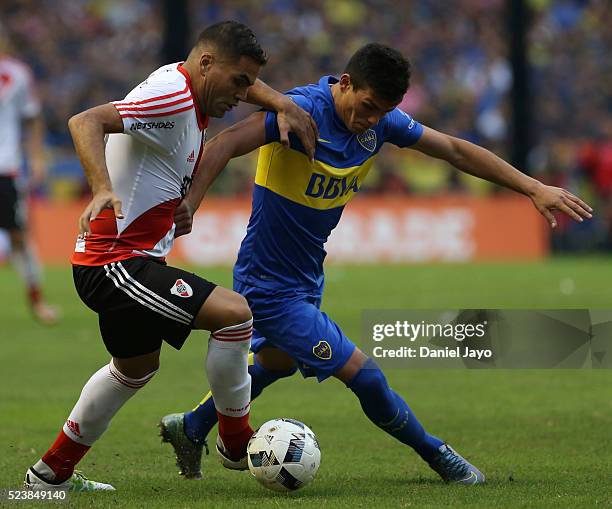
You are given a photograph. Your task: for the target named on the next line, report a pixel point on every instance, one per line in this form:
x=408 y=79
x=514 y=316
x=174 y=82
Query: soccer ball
x=284 y=455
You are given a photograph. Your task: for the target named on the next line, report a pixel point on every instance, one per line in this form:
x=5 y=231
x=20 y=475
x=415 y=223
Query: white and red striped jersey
x=150 y=166
x=18 y=101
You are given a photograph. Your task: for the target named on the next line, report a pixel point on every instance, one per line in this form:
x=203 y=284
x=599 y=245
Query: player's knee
x=235 y=311
x=375 y=396
x=369 y=382
x=351 y=368
x=138 y=367
x=223 y=308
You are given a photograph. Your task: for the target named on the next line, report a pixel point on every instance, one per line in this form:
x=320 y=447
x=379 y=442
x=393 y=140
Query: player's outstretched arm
x=88 y=130
x=235 y=141
x=482 y=163
x=290 y=117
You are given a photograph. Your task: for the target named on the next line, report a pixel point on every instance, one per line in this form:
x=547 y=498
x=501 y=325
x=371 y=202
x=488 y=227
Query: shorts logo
x=368 y=140
x=181 y=289
x=322 y=350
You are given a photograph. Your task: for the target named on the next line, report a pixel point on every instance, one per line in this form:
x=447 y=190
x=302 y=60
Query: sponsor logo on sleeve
x=138 y=126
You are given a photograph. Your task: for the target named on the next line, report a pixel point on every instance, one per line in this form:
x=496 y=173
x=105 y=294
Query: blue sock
x=202 y=419
x=389 y=411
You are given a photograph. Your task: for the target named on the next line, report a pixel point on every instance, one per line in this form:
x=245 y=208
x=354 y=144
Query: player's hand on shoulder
x=101 y=200
x=183 y=218
x=292 y=118
x=549 y=198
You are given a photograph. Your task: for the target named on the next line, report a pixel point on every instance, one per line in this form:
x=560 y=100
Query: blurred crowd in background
x=87 y=52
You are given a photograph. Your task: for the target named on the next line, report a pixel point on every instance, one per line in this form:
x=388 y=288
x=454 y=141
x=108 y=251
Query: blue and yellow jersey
x=297 y=203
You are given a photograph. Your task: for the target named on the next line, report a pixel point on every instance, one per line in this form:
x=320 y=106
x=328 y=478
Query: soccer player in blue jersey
x=297 y=202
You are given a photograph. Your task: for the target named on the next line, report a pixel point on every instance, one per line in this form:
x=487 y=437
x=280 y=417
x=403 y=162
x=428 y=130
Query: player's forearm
x=88 y=137
x=235 y=141
x=482 y=163
x=214 y=159
x=266 y=97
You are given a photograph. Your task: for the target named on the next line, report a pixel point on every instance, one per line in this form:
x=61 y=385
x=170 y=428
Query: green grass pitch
x=541 y=437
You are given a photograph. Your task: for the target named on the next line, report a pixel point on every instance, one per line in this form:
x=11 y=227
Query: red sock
x=34 y=295
x=235 y=433
x=63 y=455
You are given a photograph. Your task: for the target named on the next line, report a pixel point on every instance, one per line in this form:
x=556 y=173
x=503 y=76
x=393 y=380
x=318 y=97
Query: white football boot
x=226 y=461
x=76 y=483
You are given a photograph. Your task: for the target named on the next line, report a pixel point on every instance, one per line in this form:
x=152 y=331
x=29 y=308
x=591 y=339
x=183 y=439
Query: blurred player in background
x=20 y=117
x=296 y=204
x=127 y=230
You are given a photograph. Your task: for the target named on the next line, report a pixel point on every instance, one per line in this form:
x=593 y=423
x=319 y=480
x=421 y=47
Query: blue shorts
x=293 y=323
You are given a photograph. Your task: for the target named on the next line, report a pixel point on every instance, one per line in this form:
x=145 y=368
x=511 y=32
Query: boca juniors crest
x=322 y=350
x=181 y=289
x=368 y=140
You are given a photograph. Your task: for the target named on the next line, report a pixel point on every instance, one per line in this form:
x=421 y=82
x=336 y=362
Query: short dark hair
x=381 y=68
x=234 y=40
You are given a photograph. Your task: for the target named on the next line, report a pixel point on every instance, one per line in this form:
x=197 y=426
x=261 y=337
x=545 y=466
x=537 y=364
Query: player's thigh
x=133 y=333
x=308 y=335
x=222 y=308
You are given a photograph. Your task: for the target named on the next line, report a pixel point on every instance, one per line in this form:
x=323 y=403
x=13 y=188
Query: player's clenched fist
x=101 y=200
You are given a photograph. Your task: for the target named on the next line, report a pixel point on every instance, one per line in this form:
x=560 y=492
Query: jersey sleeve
x=29 y=104
x=272 y=132
x=401 y=129
x=153 y=113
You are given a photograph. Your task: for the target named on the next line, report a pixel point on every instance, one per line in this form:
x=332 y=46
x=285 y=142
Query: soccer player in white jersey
x=20 y=108
x=155 y=142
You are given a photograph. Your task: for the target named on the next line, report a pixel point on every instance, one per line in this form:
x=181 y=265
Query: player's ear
x=345 y=82
x=207 y=59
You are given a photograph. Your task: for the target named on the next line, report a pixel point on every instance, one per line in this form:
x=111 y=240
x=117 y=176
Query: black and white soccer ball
x=284 y=455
